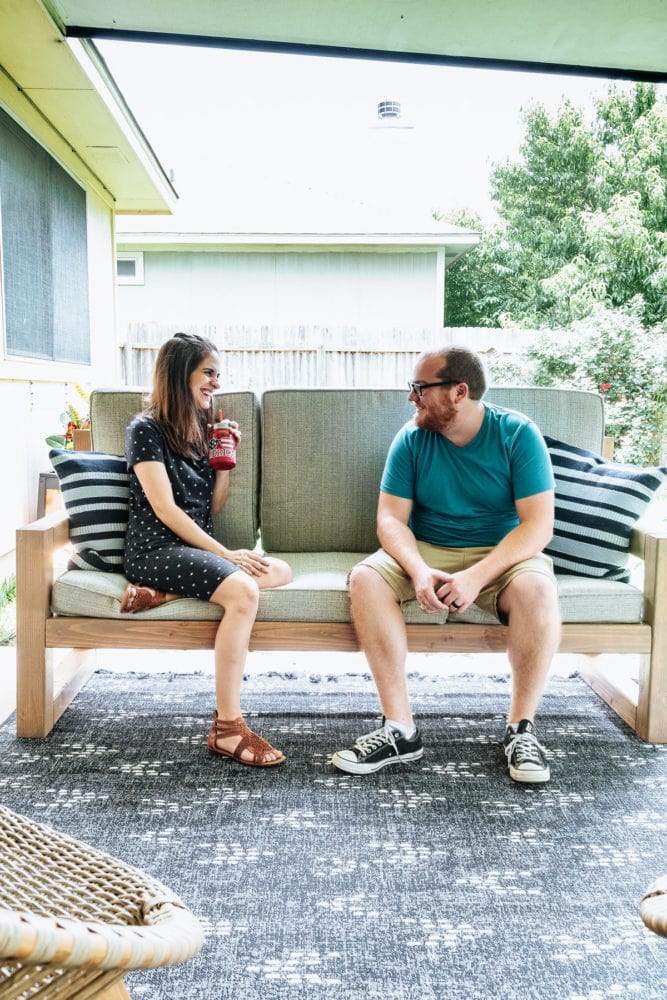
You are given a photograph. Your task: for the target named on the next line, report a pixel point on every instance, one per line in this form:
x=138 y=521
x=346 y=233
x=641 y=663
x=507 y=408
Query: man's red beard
x=437 y=422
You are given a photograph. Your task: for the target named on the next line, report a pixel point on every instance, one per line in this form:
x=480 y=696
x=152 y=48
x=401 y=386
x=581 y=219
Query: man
x=466 y=507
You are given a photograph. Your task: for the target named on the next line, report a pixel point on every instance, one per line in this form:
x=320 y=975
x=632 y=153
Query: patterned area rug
x=441 y=880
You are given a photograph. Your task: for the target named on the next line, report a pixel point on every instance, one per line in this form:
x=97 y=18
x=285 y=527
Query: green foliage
x=515 y=370
x=7 y=591
x=581 y=251
x=610 y=352
x=475 y=284
x=71 y=419
x=542 y=195
x=583 y=220
x=7 y=610
x=57 y=441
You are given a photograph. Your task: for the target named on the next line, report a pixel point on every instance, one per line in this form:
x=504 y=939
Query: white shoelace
x=528 y=749
x=366 y=744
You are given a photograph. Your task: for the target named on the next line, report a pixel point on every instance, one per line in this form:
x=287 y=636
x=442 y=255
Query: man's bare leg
x=531 y=603
x=380 y=628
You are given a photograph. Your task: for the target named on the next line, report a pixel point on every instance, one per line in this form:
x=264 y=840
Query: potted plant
x=76 y=427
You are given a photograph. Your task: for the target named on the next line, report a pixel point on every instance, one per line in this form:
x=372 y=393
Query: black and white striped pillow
x=597 y=504
x=96 y=490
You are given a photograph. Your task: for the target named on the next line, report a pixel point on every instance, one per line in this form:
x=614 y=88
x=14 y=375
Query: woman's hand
x=234 y=428
x=253 y=563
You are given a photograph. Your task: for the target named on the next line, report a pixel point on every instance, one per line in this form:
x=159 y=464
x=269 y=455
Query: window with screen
x=130 y=268
x=44 y=252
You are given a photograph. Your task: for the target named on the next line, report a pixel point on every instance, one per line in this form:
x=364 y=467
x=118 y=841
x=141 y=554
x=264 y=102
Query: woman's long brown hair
x=171 y=403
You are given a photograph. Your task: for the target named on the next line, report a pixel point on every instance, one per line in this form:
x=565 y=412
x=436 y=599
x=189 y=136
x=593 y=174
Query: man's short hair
x=463 y=365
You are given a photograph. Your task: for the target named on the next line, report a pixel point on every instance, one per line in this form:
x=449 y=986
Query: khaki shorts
x=453 y=560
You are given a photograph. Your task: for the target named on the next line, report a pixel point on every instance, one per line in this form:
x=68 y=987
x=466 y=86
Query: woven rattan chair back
x=74 y=920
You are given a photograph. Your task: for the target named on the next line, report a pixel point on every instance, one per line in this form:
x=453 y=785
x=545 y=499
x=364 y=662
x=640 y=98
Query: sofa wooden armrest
x=46 y=682
x=642 y=701
x=650 y=545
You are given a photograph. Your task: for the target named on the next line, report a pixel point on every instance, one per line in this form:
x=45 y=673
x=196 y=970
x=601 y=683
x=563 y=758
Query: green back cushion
x=567 y=414
x=237 y=524
x=323 y=452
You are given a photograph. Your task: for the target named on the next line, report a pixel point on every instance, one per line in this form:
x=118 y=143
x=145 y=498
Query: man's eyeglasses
x=418 y=387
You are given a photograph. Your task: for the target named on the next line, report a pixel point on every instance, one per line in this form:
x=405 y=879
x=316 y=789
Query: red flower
x=605 y=386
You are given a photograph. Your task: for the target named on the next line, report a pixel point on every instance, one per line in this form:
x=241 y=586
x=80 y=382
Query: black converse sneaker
x=383 y=746
x=526 y=760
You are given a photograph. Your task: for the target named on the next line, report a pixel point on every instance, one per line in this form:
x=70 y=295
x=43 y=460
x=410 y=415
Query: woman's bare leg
x=238 y=596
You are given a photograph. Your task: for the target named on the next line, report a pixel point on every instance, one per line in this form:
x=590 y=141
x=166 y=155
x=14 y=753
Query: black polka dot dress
x=154 y=555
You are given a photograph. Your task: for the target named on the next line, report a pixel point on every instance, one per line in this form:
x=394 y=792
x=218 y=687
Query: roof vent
x=389 y=109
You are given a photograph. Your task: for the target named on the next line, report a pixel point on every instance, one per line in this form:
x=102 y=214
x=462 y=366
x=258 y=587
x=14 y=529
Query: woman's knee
x=279 y=574
x=238 y=593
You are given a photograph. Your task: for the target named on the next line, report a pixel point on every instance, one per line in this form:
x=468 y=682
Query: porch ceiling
x=609 y=37
x=64 y=94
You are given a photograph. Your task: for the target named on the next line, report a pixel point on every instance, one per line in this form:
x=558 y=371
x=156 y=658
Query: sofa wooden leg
x=616 y=687
x=34 y=690
x=652 y=706
x=35 y=548
x=652 y=703
x=639 y=699
x=73 y=673
x=44 y=689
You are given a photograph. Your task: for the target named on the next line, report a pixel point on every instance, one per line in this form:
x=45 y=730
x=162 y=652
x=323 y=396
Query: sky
x=270 y=142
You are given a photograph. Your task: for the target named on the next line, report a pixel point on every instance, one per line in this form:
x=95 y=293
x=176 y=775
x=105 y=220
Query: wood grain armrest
x=36 y=546
x=650 y=544
x=55 y=526
x=643 y=537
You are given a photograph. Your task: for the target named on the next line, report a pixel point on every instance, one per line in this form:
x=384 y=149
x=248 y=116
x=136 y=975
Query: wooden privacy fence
x=276 y=357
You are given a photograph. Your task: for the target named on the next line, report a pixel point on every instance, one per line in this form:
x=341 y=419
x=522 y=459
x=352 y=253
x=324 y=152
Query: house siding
x=283 y=289
x=33 y=393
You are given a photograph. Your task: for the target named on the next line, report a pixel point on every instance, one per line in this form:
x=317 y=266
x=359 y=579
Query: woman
x=170 y=549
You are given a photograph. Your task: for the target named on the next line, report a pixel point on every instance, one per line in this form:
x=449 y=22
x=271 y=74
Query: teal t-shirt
x=465 y=496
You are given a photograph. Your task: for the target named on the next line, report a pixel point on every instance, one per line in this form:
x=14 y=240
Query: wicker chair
x=653 y=909
x=73 y=920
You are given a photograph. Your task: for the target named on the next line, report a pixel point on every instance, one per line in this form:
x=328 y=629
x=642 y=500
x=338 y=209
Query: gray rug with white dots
x=437 y=880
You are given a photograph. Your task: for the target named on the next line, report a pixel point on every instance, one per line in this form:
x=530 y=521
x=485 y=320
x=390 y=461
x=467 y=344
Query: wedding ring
x=423 y=607
x=456 y=606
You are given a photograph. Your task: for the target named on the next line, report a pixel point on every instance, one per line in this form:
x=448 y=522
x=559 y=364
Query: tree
x=633 y=129
x=581 y=250
x=583 y=220
x=481 y=279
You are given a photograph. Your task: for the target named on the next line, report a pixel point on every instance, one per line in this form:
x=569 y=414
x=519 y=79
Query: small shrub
x=610 y=352
x=7 y=611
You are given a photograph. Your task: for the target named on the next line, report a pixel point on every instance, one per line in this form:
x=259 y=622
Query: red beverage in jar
x=222 y=445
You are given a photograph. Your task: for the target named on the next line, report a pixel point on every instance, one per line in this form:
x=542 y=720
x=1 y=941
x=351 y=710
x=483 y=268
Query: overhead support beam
x=351 y=52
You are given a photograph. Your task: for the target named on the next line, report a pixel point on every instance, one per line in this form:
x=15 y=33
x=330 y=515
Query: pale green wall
x=284 y=289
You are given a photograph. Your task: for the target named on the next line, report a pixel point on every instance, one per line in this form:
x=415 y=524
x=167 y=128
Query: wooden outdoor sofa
x=307 y=478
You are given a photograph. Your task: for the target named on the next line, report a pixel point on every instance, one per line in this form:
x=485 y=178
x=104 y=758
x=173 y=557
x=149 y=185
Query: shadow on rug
x=433 y=881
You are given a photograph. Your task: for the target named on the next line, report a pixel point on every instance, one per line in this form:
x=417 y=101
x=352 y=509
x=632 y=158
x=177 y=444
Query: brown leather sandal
x=138 y=598
x=222 y=729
